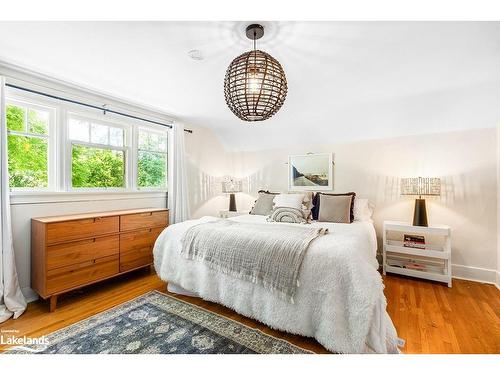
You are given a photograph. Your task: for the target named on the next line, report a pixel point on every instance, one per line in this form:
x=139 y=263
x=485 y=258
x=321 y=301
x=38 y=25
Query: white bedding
x=340 y=299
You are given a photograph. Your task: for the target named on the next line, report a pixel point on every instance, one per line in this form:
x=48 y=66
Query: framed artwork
x=310 y=172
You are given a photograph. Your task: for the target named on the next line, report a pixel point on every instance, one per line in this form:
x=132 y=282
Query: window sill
x=37 y=197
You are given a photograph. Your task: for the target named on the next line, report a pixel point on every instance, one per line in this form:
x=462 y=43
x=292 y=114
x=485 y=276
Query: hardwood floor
x=431 y=317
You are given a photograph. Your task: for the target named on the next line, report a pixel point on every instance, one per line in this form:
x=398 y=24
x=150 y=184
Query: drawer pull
x=146 y=214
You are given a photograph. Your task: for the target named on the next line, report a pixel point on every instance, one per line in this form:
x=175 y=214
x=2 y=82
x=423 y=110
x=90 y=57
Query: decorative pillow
x=308 y=198
x=316 y=203
x=362 y=210
x=335 y=208
x=289 y=200
x=287 y=215
x=264 y=203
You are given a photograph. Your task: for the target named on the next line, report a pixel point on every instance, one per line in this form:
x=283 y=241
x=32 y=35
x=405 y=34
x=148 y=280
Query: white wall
x=465 y=160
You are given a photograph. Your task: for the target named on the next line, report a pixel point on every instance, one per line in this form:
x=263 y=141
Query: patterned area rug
x=158 y=323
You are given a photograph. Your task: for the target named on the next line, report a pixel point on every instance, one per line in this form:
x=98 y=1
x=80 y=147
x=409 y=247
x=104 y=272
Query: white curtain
x=12 y=302
x=178 y=199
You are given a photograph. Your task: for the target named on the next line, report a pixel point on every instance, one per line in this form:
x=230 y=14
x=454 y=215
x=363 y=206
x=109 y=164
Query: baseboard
x=497 y=282
x=29 y=294
x=482 y=275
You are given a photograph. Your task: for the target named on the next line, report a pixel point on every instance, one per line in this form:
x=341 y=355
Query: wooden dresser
x=68 y=252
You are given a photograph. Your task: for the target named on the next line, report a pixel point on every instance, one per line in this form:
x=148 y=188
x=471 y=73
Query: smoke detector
x=195 y=54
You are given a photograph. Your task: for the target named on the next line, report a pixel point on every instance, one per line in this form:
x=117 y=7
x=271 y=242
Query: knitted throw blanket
x=267 y=254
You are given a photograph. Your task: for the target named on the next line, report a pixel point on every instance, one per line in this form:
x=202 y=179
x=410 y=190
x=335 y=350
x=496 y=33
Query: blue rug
x=156 y=323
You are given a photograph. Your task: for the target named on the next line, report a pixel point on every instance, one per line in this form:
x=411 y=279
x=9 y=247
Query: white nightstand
x=224 y=214
x=434 y=258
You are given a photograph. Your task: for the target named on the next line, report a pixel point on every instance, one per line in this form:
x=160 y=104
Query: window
x=98 y=154
x=152 y=159
x=55 y=146
x=28 y=129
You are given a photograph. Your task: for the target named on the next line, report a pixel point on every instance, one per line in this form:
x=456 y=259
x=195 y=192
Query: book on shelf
x=418 y=265
x=414 y=241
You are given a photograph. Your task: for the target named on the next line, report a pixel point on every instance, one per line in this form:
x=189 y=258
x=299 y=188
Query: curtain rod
x=91 y=106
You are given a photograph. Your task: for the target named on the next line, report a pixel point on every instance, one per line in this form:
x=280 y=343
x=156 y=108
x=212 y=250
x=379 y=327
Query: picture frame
x=310 y=172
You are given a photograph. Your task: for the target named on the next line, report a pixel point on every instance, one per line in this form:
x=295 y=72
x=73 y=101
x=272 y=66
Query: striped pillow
x=288 y=215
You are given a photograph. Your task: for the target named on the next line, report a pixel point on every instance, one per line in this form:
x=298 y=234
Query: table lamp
x=420 y=186
x=231 y=186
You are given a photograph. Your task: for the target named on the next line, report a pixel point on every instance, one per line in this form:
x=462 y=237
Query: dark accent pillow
x=315 y=209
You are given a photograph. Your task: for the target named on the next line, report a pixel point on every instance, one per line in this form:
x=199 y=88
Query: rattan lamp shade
x=421 y=186
x=231 y=185
x=255 y=86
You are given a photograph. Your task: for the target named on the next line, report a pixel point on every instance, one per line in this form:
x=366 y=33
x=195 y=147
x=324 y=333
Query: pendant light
x=255 y=84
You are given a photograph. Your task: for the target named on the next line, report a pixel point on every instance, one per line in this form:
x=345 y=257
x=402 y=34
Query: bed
x=339 y=301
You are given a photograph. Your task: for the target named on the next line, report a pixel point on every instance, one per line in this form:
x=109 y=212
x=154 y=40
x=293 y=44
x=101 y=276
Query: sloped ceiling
x=347 y=80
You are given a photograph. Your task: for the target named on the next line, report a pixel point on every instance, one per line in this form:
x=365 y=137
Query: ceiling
x=347 y=80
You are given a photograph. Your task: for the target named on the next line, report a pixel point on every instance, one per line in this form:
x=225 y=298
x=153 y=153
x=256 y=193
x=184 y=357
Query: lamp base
x=232 y=202
x=420 y=213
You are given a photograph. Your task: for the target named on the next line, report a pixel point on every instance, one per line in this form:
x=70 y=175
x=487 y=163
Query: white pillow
x=289 y=200
x=308 y=199
x=363 y=210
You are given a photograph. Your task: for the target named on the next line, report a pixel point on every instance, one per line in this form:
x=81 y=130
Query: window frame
x=28 y=104
x=151 y=129
x=126 y=148
x=59 y=168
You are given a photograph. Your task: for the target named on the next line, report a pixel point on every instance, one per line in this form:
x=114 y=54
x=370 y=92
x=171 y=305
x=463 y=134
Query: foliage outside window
x=152 y=159
x=98 y=157
x=28 y=145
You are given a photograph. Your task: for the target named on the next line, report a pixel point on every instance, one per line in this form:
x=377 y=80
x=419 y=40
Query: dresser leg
x=53 y=303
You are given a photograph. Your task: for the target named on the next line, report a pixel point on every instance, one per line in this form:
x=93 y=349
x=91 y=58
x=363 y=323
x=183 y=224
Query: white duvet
x=340 y=299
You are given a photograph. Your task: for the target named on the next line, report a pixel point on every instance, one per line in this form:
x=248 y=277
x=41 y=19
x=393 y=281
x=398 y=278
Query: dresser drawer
x=76 y=229
x=144 y=220
x=132 y=241
x=135 y=259
x=64 y=278
x=136 y=248
x=82 y=251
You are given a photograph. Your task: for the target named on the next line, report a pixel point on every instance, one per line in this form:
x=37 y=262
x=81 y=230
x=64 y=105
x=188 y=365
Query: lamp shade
x=231 y=185
x=421 y=186
x=255 y=86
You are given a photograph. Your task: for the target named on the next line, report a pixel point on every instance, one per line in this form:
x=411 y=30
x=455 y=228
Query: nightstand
x=430 y=260
x=224 y=214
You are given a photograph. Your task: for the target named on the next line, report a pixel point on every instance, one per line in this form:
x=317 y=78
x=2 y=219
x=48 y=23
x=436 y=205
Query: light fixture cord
x=254 y=49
